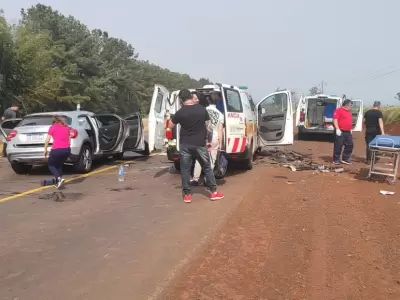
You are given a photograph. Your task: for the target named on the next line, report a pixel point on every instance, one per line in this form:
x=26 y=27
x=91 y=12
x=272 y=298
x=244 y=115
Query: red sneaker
x=216 y=196
x=187 y=198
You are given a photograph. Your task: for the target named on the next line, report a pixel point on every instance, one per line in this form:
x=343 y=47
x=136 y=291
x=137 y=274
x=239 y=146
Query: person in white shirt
x=217 y=121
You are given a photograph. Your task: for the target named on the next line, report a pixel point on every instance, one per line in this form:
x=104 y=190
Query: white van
x=247 y=126
x=314 y=115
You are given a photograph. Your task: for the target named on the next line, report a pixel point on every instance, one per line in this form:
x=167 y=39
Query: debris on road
x=294 y=161
x=387 y=192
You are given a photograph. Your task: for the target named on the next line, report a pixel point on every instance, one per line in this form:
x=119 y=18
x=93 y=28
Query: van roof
x=323 y=96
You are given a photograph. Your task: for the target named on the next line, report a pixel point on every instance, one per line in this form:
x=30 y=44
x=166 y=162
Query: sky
x=265 y=44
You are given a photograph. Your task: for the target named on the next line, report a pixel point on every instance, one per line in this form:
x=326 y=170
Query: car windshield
x=45 y=120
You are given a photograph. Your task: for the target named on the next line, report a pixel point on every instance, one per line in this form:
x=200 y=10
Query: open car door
x=300 y=107
x=6 y=126
x=275 y=119
x=357 y=111
x=135 y=139
x=111 y=132
x=156 y=118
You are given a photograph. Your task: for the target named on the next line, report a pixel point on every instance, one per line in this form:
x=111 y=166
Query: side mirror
x=262 y=110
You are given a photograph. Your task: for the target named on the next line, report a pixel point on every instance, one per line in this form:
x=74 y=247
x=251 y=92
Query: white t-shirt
x=216 y=117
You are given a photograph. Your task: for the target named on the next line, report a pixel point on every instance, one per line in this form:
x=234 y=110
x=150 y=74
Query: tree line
x=52 y=62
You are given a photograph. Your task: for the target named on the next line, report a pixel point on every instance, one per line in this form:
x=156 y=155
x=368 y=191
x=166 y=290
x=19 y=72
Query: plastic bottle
x=121 y=173
x=46 y=182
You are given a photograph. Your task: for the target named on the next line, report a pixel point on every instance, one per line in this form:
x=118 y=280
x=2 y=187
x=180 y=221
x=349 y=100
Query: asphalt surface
x=278 y=234
x=100 y=238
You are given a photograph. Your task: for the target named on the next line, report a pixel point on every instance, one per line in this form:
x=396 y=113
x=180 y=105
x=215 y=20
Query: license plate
x=36 y=137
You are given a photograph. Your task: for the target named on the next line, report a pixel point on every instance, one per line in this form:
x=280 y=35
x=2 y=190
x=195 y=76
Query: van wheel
x=248 y=163
x=21 y=169
x=177 y=165
x=84 y=164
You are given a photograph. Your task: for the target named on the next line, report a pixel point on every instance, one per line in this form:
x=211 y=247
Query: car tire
x=21 y=169
x=84 y=164
x=146 y=150
x=177 y=165
x=247 y=164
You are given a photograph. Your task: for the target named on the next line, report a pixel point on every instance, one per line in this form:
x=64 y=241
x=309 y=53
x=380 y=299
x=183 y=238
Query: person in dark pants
x=196 y=136
x=60 y=150
x=343 y=122
x=373 y=120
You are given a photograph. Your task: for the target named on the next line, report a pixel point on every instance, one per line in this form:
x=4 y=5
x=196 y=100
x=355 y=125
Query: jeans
x=368 y=139
x=343 y=142
x=188 y=154
x=56 y=160
x=213 y=156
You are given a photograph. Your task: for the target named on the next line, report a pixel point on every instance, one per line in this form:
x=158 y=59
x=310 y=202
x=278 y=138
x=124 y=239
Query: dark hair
x=214 y=98
x=346 y=102
x=15 y=105
x=377 y=103
x=185 y=95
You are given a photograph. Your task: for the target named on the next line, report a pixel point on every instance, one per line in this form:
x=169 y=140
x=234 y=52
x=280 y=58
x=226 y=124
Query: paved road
x=99 y=238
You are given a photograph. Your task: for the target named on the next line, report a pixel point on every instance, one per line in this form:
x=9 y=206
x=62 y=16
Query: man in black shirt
x=373 y=120
x=195 y=143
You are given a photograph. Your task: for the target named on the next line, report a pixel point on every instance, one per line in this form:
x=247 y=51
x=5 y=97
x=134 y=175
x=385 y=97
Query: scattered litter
x=127 y=165
x=293 y=160
x=387 y=192
x=339 y=170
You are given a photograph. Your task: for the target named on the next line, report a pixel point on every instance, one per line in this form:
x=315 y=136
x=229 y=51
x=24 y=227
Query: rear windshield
x=233 y=102
x=41 y=121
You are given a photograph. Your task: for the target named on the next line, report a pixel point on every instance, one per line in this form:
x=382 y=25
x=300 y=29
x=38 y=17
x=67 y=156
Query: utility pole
x=322 y=86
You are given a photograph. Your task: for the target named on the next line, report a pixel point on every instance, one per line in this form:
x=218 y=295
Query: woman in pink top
x=60 y=150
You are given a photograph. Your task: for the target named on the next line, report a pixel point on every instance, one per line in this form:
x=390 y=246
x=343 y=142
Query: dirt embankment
x=393 y=129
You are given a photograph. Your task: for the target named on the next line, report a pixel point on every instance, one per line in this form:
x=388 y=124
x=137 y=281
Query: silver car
x=97 y=136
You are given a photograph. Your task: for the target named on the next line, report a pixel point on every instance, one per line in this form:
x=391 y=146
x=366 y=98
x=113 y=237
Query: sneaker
x=187 y=198
x=216 y=196
x=194 y=182
x=346 y=162
x=60 y=183
x=336 y=163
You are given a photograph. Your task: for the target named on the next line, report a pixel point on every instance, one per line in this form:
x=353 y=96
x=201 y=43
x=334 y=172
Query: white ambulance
x=314 y=114
x=247 y=126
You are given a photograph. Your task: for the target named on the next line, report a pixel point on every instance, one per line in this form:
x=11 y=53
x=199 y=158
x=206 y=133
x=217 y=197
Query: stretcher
x=385 y=148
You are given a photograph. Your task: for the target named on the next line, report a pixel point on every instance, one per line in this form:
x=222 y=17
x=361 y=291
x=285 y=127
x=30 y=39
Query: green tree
x=314 y=91
x=55 y=62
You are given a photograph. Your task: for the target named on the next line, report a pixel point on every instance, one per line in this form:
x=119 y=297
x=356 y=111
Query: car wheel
x=177 y=165
x=21 y=168
x=84 y=164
